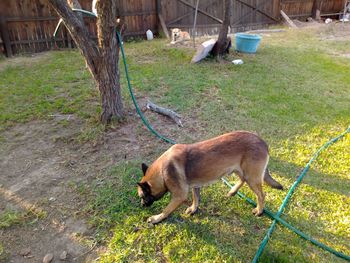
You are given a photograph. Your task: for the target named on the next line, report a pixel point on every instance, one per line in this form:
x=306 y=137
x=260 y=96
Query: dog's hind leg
x=253 y=171
x=195 y=201
x=256 y=186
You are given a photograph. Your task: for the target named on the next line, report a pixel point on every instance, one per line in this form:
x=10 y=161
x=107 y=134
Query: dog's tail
x=270 y=181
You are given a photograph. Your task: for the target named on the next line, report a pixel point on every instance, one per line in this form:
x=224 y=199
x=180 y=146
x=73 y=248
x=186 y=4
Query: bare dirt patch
x=335 y=31
x=41 y=163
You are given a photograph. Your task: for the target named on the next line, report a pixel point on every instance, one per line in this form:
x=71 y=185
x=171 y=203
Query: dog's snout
x=147 y=202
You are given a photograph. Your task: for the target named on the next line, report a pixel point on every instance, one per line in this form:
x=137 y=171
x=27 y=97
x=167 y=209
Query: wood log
x=288 y=20
x=163 y=25
x=166 y=112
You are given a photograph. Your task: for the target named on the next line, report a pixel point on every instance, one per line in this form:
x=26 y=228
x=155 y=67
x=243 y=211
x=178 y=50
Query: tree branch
x=79 y=33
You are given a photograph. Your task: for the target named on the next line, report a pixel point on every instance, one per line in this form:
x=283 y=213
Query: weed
x=9 y=218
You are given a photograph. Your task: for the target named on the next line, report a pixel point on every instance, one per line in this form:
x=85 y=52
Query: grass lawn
x=295 y=92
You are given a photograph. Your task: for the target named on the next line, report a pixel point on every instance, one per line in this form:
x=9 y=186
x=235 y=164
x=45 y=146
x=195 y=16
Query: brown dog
x=186 y=166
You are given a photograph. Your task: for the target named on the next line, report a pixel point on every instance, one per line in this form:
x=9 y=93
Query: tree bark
x=102 y=58
x=223 y=43
x=75 y=4
x=108 y=78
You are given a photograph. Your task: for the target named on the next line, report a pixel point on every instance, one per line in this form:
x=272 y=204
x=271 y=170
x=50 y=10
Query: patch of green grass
x=225 y=230
x=56 y=84
x=9 y=218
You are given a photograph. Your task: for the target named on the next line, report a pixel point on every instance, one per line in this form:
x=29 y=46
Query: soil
x=38 y=169
x=40 y=163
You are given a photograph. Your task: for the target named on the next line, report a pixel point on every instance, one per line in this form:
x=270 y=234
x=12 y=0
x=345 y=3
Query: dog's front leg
x=175 y=202
x=195 y=201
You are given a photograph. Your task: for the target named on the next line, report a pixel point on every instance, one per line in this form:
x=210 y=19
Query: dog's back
x=209 y=160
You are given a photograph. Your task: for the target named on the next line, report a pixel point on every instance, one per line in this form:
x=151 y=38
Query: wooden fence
x=245 y=14
x=303 y=8
x=28 y=25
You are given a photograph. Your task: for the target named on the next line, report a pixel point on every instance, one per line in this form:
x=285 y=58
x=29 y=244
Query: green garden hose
x=144 y=120
x=290 y=227
x=286 y=199
x=276 y=216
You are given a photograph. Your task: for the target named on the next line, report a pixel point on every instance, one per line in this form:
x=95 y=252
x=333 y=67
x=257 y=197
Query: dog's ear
x=144 y=168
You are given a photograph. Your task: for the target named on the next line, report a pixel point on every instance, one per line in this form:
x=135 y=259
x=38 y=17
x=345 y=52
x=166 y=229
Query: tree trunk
x=223 y=43
x=108 y=79
x=109 y=86
x=112 y=105
x=102 y=59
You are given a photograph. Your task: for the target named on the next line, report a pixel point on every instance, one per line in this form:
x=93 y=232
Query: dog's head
x=176 y=33
x=149 y=190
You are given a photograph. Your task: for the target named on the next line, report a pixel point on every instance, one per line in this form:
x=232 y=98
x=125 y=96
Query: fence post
x=5 y=36
x=161 y=19
x=316 y=9
x=157 y=12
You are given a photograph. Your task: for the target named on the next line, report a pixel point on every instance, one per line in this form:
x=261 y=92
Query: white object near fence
x=149 y=34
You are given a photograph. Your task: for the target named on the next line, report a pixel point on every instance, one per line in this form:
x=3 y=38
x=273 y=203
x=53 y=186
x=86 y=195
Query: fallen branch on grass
x=169 y=113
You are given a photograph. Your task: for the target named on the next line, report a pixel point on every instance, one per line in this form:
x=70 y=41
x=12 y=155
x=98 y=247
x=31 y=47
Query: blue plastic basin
x=247 y=43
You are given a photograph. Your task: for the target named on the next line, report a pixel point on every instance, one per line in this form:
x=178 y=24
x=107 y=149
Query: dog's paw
x=230 y=194
x=256 y=212
x=155 y=219
x=191 y=210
